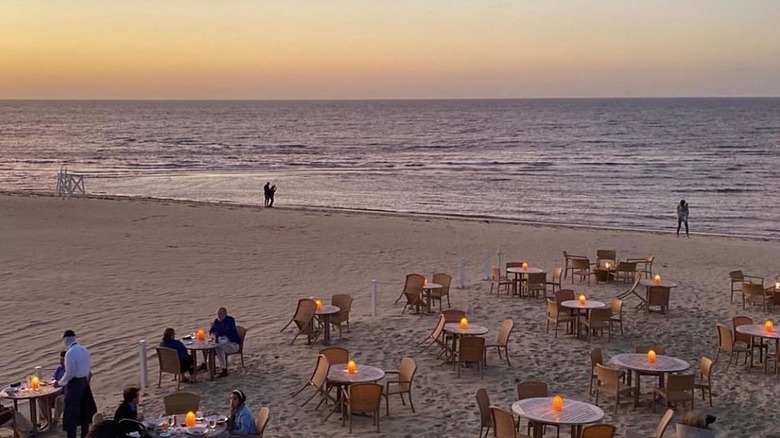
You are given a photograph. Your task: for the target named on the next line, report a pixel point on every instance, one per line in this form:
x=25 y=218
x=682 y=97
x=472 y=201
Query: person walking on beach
x=267 y=193
x=682 y=217
x=272 y=192
x=79 y=402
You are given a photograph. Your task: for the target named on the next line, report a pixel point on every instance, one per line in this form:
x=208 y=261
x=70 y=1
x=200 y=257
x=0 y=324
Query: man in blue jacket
x=223 y=329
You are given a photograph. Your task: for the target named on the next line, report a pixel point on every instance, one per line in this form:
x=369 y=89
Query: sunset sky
x=387 y=49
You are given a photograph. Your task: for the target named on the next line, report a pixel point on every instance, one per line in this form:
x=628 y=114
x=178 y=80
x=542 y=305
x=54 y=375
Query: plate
x=156 y=422
x=217 y=418
x=197 y=430
x=164 y=434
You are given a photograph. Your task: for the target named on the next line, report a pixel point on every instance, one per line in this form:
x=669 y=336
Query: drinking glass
x=212 y=423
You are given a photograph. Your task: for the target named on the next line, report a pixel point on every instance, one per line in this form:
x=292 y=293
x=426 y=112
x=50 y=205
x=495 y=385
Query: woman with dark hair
x=169 y=341
x=241 y=421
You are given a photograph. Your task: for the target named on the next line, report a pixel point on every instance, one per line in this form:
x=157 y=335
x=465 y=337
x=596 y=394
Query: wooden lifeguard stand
x=70 y=184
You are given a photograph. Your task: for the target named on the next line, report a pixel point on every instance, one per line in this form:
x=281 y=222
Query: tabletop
x=758 y=330
x=364 y=374
x=664 y=283
x=529 y=270
x=27 y=393
x=574 y=411
x=327 y=309
x=194 y=344
x=638 y=361
x=589 y=304
x=432 y=286
x=201 y=428
x=473 y=329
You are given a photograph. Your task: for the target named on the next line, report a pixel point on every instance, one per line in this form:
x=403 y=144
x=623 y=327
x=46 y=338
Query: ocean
x=620 y=163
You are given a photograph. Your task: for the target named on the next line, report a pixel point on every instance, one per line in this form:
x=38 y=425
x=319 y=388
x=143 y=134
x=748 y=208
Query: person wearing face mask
x=241 y=421
x=79 y=402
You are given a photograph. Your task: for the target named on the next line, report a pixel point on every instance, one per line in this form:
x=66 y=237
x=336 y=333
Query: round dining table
x=32 y=395
x=758 y=331
x=208 y=347
x=574 y=413
x=586 y=306
x=638 y=363
x=201 y=429
x=519 y=273
x=325 y=311
x=457 y=331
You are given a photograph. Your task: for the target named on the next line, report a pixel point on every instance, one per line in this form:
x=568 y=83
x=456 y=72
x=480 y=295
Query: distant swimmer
x=682 y=217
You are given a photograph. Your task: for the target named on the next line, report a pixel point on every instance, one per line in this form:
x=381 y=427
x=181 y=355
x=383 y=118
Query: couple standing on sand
x=269 y=191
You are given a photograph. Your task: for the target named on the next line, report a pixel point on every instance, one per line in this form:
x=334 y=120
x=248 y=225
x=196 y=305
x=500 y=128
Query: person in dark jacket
x=129 y=406
x=169 y=341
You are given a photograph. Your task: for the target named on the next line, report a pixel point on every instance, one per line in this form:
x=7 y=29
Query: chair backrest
x=503 y=423
x=607 y=375
x=335 y=355
x=562 y=295
x=536 y=279
x=602 y=315
x=705 y=368
x=439 y=327
x=665 y=420
x=504 y=332
x=557 y=275
x=680 y=382
x=552 y=309
x=637 y=279
x=444 y=280
x=617 y=307
x=598 y=431
x=531 y=389
x=453 y=315
x=320 y=374
x=262 y=420
x=305 y=311
x=736 y=276
x=241 y=337
x=169 y=360
x=414 y=283
x=343 y=302
x=181 y=402
x=725 y=339
x=471 y=349
x=606 y=255
x=97 y=418
x=365 y=397
x=406 y=372
x=658 y=296
x=495 y=274
x=596 y=357
x=643 y=349
x=483 y=402
x=580 y=264
x=738 y=321
x=626 y=266
x=753 y=289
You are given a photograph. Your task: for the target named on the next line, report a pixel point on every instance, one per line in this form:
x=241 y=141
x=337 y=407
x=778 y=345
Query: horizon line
x=400 y=99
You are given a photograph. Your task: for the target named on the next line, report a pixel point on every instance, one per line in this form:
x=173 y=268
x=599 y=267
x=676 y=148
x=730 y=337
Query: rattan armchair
x=485 y=419
x=170 y=363
x=365 y=398
x=726 y=344
x=402 y=384
x=705 y=377
x=679 y=389
x=502 y=342
x=344 y=303
x=414 y=283
x=304 y=321
x=471 y=349
x=445 y=280
x=499 y=281
x=598 y=431
x=609 y=383
x=181 y=402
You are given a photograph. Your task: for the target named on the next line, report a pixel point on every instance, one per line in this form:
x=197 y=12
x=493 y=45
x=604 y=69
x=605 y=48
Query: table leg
x=538 y=428
x=212 y=363
x=637 y=390
x=428 y=300
x=326 y=321
x=34 y=415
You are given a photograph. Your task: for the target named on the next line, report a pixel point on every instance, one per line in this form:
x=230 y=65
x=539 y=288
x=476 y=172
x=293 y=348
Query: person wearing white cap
x=79 y=402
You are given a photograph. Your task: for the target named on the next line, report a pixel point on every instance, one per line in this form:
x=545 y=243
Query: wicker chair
x=365 y=398
x=617 y=315
x=403 y=384
x=754 y=293
x=557 y=316
x=705 y=377
x=241 y=338
x=169 y=363
x=414 y=284
x=658 y=296
x=318 y=381
x=599 y=319
x=436 y=337
x=445 y=280
x=336 y=355
x=555 y=282
x=625 y=271
x=453 y=315
x=532 y=389
x=263 y=415
x=726 y=344
x=485 y=419
x=504 y=423
x=567 y=258
x=737 y=278
x=181 y=402
x=742 y=339
x=609 y=382
x=644 y=265
x=580 y=268
x=679 y=389
x=659 y=430
x=502 y=342
x=598 y=431
x=304 y=321
x=343 y=302
x=498 y=281
x=597 y=358
x=471 y=349
x=536 y=283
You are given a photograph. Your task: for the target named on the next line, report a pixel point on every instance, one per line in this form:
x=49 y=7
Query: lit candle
x=768 y=326
x=657 y=279
x=525 y=266
x=557 y=403
x=319 y=304
x=351 y=367
x=651 y=356
x=606 y=265
x=582 y=300
x=189 y=419
x=425 y=282
x=35 y=383
x=777 y=286
x=201 y=336
x=464 y=323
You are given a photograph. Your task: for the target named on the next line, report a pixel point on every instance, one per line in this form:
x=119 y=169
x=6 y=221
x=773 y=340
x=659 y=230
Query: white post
x=487 y=265
x=462 y=274
x=500 y=259
x=142 y=358
x=373 y=298
x=433 y=271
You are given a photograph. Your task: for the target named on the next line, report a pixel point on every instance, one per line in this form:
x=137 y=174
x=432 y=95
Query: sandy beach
x=118 y=271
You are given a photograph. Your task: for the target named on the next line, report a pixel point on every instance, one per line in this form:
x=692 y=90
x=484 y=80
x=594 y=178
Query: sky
x=387 y=49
